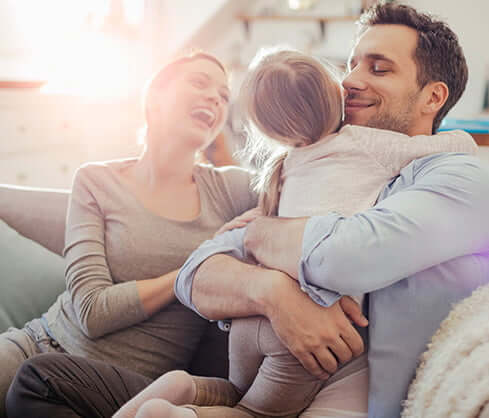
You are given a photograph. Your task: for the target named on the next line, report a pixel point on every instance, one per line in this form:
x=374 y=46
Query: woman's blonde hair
x=293 y=99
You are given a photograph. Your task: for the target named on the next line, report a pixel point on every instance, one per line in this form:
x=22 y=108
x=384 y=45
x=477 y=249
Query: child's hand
x=240 y=221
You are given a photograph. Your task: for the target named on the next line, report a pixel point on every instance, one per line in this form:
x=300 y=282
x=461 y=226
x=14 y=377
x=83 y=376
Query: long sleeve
x=100 y=305
x=435 y=211
x=230 y=243
x=394 y=150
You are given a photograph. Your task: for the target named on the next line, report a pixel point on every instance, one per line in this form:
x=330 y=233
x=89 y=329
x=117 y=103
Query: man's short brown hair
x=438 y=54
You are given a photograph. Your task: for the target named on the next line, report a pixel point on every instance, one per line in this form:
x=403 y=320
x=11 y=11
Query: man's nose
x=354 y=80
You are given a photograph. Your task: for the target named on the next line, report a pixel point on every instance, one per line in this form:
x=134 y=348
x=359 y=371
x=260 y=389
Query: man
x=405 y=73
x=408 y=251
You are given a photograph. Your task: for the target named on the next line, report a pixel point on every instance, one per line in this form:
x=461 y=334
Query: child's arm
x=394 y=150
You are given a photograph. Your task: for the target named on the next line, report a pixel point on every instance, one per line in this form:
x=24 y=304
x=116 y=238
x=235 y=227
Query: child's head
x=292 y=97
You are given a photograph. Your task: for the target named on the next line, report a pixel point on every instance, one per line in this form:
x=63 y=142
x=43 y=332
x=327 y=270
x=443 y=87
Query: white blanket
x=453 y=377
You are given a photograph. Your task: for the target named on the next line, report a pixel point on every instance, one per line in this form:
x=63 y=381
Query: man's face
x=382 y=91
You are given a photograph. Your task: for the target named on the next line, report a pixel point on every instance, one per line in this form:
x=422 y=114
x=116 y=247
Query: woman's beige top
x=112 y=241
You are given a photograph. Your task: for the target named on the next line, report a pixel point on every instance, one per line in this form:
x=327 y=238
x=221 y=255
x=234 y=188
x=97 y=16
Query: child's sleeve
x=394 y=150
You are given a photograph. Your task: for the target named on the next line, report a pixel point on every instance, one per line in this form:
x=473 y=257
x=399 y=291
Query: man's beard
x=400 y=120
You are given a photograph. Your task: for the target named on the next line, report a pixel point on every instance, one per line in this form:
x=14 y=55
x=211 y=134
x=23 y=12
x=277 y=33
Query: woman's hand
x=240 y=221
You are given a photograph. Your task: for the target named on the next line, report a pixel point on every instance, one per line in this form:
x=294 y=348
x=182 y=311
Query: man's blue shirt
x=423 y=247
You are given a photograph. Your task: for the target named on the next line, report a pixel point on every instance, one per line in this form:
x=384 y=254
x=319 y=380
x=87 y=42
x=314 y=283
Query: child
x=293 y=100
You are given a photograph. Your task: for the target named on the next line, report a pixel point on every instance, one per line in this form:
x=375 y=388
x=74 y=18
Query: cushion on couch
x=31 y=277
x=38 y=214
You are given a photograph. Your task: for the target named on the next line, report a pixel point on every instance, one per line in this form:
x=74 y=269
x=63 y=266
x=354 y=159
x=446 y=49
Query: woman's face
x=192 y=106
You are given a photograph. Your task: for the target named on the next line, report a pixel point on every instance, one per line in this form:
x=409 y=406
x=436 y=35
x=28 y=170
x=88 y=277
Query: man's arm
x=440 y=215
x=311 y=332
x=216 y=284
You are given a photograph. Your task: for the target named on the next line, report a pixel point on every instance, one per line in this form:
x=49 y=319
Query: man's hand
x=315 y=334
x=276 y=243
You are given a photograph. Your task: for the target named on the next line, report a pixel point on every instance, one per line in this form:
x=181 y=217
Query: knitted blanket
x=452 y=379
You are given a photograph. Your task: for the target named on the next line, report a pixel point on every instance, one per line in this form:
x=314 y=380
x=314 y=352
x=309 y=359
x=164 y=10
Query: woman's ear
x=436 y=94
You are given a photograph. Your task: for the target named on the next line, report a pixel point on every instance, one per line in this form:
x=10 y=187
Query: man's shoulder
x=450 y=174
x=449 y=161
x=437 y=172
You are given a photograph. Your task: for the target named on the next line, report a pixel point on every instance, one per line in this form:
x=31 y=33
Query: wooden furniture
x=320 y=20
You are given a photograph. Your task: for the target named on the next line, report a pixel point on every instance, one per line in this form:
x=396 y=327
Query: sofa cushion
x=31 y=277
x=38 y=214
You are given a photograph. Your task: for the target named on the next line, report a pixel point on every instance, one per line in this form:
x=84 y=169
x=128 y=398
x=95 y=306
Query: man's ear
x=436 y=94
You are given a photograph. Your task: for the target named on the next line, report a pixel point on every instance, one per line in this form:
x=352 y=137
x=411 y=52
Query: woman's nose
x=213 y=96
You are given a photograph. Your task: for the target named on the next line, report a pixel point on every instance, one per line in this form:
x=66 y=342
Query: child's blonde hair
x=292 y=98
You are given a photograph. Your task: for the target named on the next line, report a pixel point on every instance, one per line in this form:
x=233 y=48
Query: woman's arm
x=100 y=305
x=157 y=293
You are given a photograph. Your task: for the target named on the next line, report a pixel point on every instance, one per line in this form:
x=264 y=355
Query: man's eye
x=377 y=70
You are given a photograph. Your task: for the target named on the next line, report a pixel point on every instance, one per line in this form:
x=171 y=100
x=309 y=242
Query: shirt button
x=303 y=289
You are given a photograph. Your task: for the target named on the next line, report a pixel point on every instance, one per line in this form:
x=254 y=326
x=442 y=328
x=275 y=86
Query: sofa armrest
x=36 y=213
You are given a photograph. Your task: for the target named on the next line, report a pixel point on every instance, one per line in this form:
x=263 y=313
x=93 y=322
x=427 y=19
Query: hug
x=316 y=282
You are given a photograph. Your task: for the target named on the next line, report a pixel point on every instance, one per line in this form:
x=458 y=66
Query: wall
x=185 y=17
x=45 y=137
x=470 y=20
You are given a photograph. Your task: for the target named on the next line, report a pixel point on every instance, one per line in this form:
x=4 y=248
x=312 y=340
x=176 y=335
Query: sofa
x=32 y=226
x=31 y=243
x=452 y=379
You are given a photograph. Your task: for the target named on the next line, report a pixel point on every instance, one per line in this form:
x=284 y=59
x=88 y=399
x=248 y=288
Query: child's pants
x=270 y=380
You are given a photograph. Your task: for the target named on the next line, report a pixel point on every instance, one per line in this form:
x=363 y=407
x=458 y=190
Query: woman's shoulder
x=230 y=184
x=100 y=166
x=99 y=174
x=229 y=174
x=96 y=168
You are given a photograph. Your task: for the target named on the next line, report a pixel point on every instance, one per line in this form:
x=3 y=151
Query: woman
x=131 y=224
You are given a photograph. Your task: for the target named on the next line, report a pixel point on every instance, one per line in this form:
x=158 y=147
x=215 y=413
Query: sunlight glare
x=68 y=50
x=134 y=11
